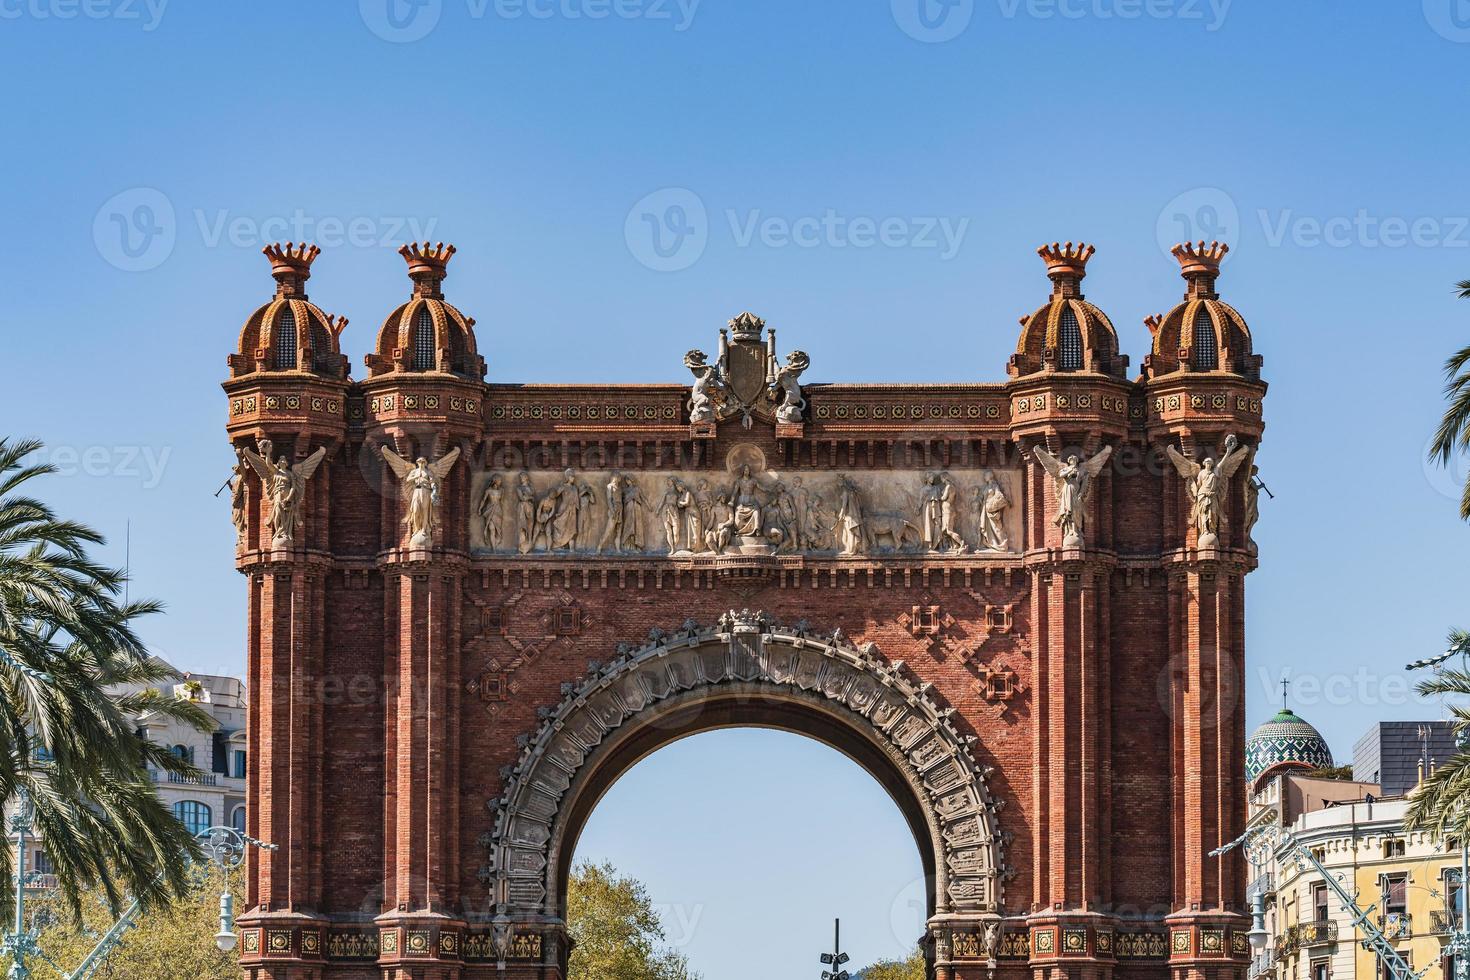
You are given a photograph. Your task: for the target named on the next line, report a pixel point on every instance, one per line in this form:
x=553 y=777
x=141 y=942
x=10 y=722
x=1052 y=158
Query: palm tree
x=67 y=749
x=1453 y=434
x=1440 y=803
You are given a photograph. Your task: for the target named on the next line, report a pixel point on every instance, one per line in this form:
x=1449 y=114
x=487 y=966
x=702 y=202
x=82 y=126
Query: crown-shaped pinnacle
x=293 y=258
x=1068 y=259
x=337 y=324
x=426 y=257
x=1154 y=324
x=1200 y=258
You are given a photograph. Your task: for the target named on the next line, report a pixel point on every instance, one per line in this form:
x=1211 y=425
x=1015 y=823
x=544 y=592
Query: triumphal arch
x=473 y=605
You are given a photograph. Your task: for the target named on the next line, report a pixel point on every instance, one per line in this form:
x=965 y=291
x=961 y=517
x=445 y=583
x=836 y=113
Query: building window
x=239 y=765
x=286 y=341
x=237 y=819
x=1393 y=847
x=1321 y=970
x=42 y=864
x=1206 y=356
x=423 y=341
x=195 y=816
x=1319 y=902
x=1070 y=355
x=183 y=753
x=1395 y=891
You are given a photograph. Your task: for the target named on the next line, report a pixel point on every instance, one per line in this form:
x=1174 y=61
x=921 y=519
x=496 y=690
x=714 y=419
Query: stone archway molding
x=868 y=693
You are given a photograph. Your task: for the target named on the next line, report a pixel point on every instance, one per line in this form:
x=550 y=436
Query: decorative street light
x=225 y=848
x=837 y=958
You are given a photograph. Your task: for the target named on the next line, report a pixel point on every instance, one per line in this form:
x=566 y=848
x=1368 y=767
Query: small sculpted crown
x=293 y=259
x=426 y=258
x=1066 y=260
x=1154 y=324
x=1195 y=259
x=747 y=326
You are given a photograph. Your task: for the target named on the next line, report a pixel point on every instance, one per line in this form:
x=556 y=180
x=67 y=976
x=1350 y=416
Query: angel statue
x=421 y=482
x=285 y=489
x=1073 y=481
x=704 y=397
x=786 y=389
x=1206 y=482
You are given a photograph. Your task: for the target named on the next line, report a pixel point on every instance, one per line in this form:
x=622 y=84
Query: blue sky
x=769 y=142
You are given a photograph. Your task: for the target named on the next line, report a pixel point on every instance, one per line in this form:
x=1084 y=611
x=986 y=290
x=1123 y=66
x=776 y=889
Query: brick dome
x=290 y=333
x=1068 y=333
x=1202 y=333
x=427 y=334
x=1285 y=742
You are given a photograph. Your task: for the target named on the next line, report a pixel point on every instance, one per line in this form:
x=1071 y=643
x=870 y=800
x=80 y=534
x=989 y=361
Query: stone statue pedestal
x=750 y=544
x=790 y=430
x=702 y=430
x=422 y=541
x=1208 y=542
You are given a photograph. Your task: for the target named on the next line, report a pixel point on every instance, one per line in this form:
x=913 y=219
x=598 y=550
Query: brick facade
x=1076 y=712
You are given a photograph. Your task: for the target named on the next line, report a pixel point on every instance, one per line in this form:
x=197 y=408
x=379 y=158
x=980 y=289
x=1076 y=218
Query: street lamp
x=837 y=958
x=1258 y=936
x=225 y=848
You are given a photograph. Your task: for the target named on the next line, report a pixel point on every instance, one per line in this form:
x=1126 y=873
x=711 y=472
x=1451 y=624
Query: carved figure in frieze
x=701 y=514
x=492 y=512
x=722 y=527
x=801 y=500
x=818 y=523
x=852 y=533
x=285 y=489
x=1073 y=482
x=633 y=516
x=705 y=396
x=938 y=519
x=786 y=512
x=239 y=515
x=992 y=941
x=990 y=503
x=612 y=531
x=673 y=509
x=525 y=513
x=564 y=509
x=1206 y=482
x=786 y=388
x=746 y=497
x=421 y=482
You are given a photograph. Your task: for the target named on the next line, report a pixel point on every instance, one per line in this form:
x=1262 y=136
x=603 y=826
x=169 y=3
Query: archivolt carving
x=875 y=697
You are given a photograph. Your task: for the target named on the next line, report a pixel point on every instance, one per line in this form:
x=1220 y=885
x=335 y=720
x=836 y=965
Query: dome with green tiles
x=1285 y=742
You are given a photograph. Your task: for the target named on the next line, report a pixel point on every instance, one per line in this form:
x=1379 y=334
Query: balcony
x=177 y=779
x=1264 y=883
x=1317 y=933
x=1441 y=923
x=1397 y=925
x=1262 y=965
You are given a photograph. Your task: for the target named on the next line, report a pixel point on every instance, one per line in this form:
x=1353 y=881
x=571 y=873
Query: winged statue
x=285 y=489
x=1207 y=482
x=1073 y=481
x=421 y=482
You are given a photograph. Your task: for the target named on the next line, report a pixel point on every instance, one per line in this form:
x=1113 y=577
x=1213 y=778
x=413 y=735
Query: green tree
x=616 y=933
x=1441 y=804
x=1453 y=434
x=912 y=968
x=175 y=939
x=66 y=746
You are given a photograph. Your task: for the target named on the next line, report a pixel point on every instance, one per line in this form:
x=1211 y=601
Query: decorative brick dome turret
x=1068 y=333
x=1202 y=333
x=290 y=333
x=426 y=334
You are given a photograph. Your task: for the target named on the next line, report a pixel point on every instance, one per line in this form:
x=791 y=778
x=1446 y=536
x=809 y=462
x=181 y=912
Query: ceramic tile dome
x=1285 y=742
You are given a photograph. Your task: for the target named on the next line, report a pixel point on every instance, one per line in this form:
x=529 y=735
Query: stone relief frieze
x=747 y=510
x=747 y=648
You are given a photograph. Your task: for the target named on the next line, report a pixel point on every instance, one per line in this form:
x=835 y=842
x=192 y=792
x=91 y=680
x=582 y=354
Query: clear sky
x=154 y=147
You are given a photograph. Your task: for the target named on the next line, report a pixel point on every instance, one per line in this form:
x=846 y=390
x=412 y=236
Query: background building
x=1391 y=752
